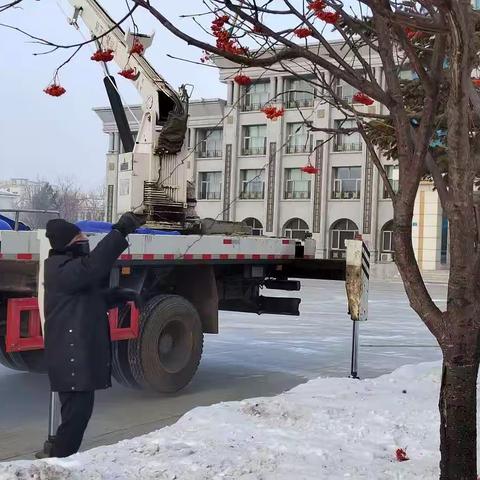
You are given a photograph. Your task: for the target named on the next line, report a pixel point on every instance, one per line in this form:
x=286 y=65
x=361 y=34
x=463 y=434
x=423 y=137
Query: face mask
x=79 y=249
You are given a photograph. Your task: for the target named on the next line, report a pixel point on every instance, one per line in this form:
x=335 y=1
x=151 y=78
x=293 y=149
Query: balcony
x=395 y=185
x=252 y=195
x=342 y=195
x=299 y=148
x=252 y=107
x=347 y=147
x=209 y=153
x=300 y=103
x=210 y=195
x=254 y=150
x=297 y=195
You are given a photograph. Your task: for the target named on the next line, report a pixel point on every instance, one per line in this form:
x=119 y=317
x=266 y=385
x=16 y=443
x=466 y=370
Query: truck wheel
x=34 y=361
x=167 y=352
x=11 y=360
x=121 y=368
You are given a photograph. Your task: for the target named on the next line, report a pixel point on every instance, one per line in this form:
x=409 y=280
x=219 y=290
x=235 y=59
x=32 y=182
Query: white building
x=21 y=186
x=8 y=201
x=248 y=168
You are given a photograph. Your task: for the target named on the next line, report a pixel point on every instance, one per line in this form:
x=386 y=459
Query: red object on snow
x=329 y=17
x=302 y=32
x=272 y=113
x=310 y=169
x=54 y=90
x=243 y=80
x=129 y=73
x=401 y=455
x=360 y=97
x=102 y=56
x=137 y=47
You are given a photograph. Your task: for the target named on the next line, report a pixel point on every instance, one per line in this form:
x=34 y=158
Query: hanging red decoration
x=310 y=169
x=54 y=90
x=302 y=32
x=272 y=113
x=137 y=47
x=329 y=17
x=102 y=56
x=476 y=82
x=401 y=455
x=129 y=73
x=317 y=6
x=243 y=80
x=360 y=97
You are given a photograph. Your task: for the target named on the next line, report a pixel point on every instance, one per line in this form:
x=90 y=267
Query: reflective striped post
x=357 y=285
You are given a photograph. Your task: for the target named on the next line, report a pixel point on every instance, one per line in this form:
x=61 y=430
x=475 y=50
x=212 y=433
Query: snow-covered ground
x=326 y=429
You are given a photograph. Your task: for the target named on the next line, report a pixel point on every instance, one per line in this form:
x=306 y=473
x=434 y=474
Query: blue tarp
x=4 y=225
x=9 y=221
x=91 y=226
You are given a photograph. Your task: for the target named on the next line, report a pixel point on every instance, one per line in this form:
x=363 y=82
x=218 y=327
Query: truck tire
x=12 y=360
x=34 y=361
x=167 y=352
x=121 y=368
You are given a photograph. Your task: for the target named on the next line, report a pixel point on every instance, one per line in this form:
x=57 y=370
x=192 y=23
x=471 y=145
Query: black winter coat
x=77 y=335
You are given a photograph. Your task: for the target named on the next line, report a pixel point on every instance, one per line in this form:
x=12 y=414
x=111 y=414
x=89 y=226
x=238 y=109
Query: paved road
x=252 y=356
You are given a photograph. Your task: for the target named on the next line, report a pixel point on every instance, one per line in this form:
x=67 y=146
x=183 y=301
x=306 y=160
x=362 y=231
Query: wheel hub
x=175 y=346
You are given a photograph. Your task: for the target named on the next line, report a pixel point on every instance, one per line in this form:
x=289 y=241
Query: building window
x=252 y=184
x=347 y=142
x=346 y=183
x=392 y=172
x=295 y=228
x=345 y=91
x=297 y=184
x=386 y=246
x=254 y=140
x=124 y=187
x=255 y=225
x=300 y=93
x=210 y=185
x=209 y=143
x=340 y=231
x=256 y=96
x=298 y=138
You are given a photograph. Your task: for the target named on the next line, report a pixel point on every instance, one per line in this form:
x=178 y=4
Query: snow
x=326 y=429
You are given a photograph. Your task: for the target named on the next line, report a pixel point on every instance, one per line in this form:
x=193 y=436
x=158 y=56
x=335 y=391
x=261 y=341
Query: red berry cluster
x=102 y=56
x=362 y=98
x=272 y=113
x=224 y=40
x=137 y=47
x=413 y=34
x=310 y=169
x=206 y=57
x=129 y=73
x=257 y=28
x=329 y=17
x=317 y=6
x=243 y=80
x=54 y=90
x=476 y=82
x=302 y=32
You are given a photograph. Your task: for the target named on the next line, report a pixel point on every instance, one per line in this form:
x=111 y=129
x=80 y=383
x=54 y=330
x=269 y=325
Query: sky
x=44 y=137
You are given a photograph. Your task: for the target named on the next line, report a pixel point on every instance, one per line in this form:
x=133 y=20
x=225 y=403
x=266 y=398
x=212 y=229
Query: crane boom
x=151 y=174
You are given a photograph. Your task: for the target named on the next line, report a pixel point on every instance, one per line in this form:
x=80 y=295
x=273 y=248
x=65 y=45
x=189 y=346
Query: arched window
x=295 y=228
x=340 y=231
x=386 y=242
x=255 y=225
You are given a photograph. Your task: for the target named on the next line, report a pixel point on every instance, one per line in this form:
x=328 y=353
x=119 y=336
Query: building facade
x=247 y=168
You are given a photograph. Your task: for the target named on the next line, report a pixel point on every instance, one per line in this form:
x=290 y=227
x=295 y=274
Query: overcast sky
x=46 y=137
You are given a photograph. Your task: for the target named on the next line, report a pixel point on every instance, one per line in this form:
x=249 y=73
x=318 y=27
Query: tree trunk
x=458 y=421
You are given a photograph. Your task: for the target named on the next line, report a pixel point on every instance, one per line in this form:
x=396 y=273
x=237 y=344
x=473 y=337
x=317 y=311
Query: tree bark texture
x=458 y=422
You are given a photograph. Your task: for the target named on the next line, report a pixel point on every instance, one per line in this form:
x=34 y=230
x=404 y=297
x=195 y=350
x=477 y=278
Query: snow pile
x=327 y=429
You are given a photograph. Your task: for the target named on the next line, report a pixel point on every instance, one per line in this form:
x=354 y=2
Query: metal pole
x=354 y=362
x=53 y=422
x=17 y=218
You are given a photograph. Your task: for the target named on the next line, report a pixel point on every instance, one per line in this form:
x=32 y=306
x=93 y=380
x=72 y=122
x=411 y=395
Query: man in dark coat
x=77 y=337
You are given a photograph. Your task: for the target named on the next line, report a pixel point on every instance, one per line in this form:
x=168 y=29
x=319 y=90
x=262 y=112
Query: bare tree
x=429 y=124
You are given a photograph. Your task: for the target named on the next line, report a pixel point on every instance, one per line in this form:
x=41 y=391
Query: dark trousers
x=76 y=412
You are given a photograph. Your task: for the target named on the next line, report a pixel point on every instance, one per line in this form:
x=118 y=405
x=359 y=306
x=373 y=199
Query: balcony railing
x=299 y=148
x=354 y=195
x=338 y=254
x=347 y=147
x=254 y=150
x=297 y=195
x=300 y=103
x=209 y=153
x=253 y=191
x=210 y=195
x=252 y=107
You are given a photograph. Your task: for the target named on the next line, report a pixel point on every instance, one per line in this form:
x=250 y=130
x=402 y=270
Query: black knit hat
x=61 y=233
